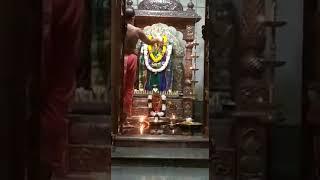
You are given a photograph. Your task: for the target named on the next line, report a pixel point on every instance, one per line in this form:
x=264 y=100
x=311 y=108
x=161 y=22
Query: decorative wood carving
x=252 y=90
x=170 y=12
x=255 y=86
x=140 y=102
x=252 y=95
x=145 y=18
x=219 y=31
x=251 y=64
x=164 y=5
x=188 y=108
x=174 y=106
x=251 y=151
x=189 y=35
x=221 y=52
x=251 y=29
x=165 y=11
x=140 y=111
x=223 y=163
x=188 y=89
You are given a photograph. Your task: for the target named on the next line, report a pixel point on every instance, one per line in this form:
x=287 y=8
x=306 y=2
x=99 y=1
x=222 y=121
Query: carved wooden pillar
x=206 y=73
x=116 y=63
x=316 y=53
x=256 y=111
x=188 y=95
x=251 y=147
x=251 y=95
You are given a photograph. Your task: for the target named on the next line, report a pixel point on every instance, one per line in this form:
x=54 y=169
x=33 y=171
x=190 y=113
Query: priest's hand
x=160 y=42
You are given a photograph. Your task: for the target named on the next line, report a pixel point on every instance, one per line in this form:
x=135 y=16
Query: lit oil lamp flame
x=143 y=124
x=141 y=129
x=173 y=116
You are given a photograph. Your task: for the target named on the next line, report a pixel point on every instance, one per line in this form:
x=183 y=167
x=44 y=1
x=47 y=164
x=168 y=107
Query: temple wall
x=289 y=77
x=288 y=81
x=200 y=9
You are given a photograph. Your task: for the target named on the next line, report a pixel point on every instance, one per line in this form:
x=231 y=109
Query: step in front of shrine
x=173 y=157
x=163 y=150
x=90 y=142
x=155 y=141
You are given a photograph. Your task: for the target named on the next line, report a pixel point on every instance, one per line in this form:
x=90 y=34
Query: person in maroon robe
x=62 y=32
x=133 y=34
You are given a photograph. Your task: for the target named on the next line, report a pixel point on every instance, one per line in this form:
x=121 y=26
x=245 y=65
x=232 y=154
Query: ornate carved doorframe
x=250 y=86
x=116 y=60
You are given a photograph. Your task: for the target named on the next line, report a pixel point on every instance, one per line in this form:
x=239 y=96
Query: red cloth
x=62 y=27
x=130 y=67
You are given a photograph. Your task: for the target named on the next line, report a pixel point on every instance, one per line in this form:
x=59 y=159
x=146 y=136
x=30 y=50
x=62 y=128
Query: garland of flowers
x=154 y=67
x=159 y=55
x=163 y=106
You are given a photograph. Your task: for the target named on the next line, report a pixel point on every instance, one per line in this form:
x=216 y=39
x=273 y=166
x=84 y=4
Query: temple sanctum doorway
x=169 y=122
x=186 y=111
x=169 y=113
x=167 y=90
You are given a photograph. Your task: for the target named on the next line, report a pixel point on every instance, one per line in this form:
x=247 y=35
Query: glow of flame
x=173 y=116
x=141 y=120
x=141 y=129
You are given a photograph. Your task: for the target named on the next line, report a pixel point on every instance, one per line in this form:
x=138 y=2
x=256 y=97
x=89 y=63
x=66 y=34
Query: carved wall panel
x=221 y=30
x=188 y=86
x=179 y=71
x=164 y=5
x=252 y=90
x=189 y=33
x=252 y=31
x=188 y=108
x=140 y=102
x=252 y=95
x=175 y=107
x=170 y=12
x=251 y=150
x=223 y=164
x=140 y=111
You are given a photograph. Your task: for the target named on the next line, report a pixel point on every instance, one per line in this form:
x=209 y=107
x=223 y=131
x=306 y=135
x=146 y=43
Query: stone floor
x=145 y=173
x=159 y=173
x=161 y=153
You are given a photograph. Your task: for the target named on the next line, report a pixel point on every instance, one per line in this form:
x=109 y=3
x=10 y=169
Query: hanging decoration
x=164 y=66
x=157 y=63
x=155 y=54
